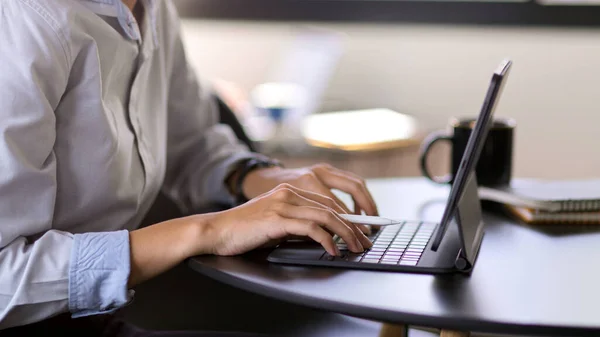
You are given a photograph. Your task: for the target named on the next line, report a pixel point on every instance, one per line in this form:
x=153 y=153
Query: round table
x=528 y=280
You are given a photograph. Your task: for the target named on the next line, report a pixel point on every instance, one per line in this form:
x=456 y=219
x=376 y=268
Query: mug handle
x=427 y=144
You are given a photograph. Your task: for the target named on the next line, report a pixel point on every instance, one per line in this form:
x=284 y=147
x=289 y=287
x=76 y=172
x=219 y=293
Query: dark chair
x=227 y=116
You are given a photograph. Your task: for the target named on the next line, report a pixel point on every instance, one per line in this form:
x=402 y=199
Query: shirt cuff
x=98 y=273
x=221 y=193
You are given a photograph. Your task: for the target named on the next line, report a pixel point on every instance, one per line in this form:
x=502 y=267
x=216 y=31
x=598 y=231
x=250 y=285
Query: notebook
x=548 y=195
x=536 y=217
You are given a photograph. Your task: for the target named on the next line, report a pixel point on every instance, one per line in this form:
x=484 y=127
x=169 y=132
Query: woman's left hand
x=320 y=178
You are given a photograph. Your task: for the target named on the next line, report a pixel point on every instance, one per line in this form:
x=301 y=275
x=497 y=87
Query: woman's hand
x=286 y=211
x=319 y=179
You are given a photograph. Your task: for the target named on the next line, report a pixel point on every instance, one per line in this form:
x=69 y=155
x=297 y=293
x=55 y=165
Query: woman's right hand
x=284 y=212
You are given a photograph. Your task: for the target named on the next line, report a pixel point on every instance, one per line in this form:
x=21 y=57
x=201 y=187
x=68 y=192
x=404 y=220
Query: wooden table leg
x=450 y=333
x=393 y=330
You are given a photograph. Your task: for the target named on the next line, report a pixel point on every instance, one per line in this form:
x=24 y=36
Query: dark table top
x=527 y=280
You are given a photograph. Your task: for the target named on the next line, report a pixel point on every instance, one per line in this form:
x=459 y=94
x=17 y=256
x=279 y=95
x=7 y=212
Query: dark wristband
x=245 y=168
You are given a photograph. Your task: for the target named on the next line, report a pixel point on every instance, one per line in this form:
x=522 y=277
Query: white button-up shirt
x=94 y=121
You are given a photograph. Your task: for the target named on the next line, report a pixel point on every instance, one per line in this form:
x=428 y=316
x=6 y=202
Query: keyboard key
x=416 y=250
x=354 y=258
x=374 y=249
x=411 y=255
x=327 y=257
x=402 y=239
x=396 y=250
x=393 y=255
x=388 y=262
x=370 y=261
x=408 y=263
x=406 y=236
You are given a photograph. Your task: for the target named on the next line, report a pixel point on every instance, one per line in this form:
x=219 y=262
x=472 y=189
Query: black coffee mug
x=494 y=167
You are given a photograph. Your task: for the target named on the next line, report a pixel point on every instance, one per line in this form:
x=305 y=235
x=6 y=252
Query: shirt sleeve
x=43 y=271
x=200 y=152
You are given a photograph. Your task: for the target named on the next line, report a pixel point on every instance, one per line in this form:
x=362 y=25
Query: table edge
x=387 y=316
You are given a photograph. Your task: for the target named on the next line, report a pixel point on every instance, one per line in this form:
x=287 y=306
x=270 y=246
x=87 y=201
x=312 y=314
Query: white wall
x=435 y=72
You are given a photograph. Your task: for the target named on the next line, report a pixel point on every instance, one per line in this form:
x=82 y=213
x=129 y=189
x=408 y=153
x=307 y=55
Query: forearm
x=158 y=248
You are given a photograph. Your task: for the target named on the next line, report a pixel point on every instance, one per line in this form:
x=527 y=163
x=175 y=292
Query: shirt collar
x=116 y=8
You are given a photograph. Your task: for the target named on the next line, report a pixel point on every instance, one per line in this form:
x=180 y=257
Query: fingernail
x=337 y=251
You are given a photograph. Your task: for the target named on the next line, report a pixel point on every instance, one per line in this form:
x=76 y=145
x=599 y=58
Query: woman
x=98 y=111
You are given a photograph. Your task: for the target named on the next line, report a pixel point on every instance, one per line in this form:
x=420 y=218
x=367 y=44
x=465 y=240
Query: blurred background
x=408 y=66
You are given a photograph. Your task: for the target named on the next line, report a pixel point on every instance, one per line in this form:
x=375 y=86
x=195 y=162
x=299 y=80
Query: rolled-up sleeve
x=201 y=152
x=43 y=271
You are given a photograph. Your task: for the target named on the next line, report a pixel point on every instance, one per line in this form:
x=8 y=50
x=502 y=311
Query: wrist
x=258 y=181
x=243 y=188
x=200 y=235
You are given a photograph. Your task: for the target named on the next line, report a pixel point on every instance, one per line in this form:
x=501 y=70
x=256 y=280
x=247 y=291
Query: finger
x=359 y=178
x=322 y=195
x=327 y=192
x=355 y=187
x=363 y=228
x=288 y=194
x=352 y=176
x=329 y=219
x=327 y=199
x=307 y=228
x=357 y=209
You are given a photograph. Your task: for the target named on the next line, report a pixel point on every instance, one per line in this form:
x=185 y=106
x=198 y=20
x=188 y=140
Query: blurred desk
x=400 y=161
x=372 y=143
x=369 y=164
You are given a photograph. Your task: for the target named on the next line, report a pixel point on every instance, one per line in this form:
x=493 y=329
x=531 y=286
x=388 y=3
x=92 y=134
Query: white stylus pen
x=370 y=220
